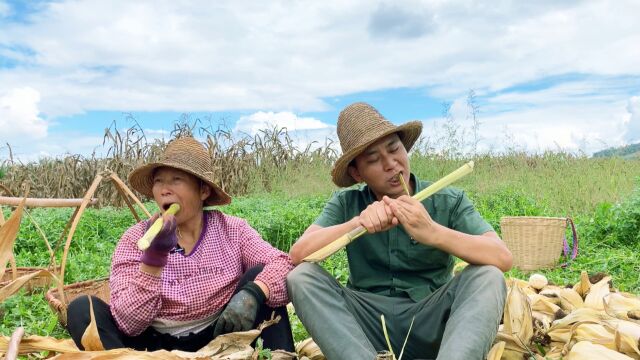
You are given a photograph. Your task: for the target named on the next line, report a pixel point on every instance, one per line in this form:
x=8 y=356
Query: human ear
x=205 y=191
x=355 y=174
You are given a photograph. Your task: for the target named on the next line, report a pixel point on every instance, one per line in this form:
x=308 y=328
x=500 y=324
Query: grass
x=598 y=193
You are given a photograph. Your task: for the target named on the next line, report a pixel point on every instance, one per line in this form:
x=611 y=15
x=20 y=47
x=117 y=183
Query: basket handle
x=565 y=244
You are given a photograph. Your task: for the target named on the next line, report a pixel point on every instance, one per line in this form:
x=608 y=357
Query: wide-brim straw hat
x=360 y=125
x=186 y=154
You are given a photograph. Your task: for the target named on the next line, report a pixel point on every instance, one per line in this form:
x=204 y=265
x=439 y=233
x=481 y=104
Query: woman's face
x=176 y=186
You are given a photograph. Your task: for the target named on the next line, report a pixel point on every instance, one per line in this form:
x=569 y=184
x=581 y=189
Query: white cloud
x=632 y=122
x=155 y=56
x=304 y=131
x=20 y=116
x=570 y=117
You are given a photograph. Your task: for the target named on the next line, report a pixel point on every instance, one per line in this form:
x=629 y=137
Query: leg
x=320 y=303
x=480 y=294
x=78 y=318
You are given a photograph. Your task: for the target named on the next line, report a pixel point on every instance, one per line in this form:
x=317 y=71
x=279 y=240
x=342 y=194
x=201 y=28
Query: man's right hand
x=157 y=253
x=377 y=217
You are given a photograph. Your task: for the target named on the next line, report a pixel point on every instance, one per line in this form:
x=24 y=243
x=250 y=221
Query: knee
x=302 y=276
x=489 y=275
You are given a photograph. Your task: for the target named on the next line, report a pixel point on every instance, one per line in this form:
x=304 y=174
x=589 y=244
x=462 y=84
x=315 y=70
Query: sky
x=546 y=75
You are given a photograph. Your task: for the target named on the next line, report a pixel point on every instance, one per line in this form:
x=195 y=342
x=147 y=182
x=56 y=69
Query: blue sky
x=547 y=75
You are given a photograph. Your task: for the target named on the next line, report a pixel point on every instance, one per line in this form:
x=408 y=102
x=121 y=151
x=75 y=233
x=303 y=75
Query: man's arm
x=375 y=218
x=316 y=237
x=485 y=249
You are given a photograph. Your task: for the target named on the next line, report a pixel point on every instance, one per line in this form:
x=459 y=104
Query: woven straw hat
x=360 y=125
x=186 y=154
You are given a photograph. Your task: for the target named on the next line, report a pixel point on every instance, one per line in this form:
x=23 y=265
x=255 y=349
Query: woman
x=205 y=273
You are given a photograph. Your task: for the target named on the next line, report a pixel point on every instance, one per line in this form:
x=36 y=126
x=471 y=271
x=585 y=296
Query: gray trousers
x=457 y=321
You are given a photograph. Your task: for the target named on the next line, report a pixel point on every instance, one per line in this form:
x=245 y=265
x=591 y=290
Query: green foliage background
x=602 y=195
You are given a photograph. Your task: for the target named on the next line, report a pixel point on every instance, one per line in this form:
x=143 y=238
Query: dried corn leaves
x=587 y=321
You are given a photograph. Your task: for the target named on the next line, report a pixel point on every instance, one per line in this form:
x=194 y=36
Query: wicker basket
x=30 y=286
x=535 y=242
x=99 y=288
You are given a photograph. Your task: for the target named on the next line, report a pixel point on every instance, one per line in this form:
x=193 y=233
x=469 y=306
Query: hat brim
x=408 y=132
x=141 y=179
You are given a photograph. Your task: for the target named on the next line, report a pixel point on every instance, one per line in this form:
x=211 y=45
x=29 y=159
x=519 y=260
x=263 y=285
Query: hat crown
x=358 y=124
x=190 y=153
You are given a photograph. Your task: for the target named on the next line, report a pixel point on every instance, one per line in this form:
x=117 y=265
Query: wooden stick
x=37 y=202
x=72 y=230
x=14 y=344
x=345 y=239
x=133 y=196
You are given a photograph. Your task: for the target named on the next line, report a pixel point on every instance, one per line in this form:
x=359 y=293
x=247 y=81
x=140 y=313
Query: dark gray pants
x=457 y=321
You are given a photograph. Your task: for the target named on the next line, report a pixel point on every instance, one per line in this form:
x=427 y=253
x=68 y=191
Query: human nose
x=388 y=162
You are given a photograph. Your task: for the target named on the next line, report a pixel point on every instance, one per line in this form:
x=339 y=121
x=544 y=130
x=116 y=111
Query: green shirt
x=390 y=262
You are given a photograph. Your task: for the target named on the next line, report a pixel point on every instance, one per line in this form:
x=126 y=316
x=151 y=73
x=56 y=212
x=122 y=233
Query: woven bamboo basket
x=535 y=242
x=98 y=288
x=30 y=286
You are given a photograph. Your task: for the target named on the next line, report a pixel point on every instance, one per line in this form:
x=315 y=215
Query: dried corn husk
x=12 y=287
x=627 y=345
x=496 y=351
x=585 y=350
x=91 y=338
x=8 y=234
x=310 y=349
x=621 y=305
x=597 y=293
x=570 y=299
x=584 y=285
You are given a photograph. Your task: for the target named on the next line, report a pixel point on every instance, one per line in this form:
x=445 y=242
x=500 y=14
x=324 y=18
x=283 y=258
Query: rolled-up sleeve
x=135 y=295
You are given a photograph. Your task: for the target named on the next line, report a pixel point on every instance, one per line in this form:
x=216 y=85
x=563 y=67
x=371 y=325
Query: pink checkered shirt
x=197 y=285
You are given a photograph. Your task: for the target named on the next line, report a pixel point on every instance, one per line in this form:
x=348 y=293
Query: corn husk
x=583 y=287
x=496 y=351
x=91 y=338
x=570 y=300
x=8 y=234
x=621 y=305
x=308 y=348
x=585 y=350
x=597 y=293
x=15 y=285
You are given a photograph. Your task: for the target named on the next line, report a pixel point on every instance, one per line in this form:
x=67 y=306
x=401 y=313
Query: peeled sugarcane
x=145 y=240
x=345 y=239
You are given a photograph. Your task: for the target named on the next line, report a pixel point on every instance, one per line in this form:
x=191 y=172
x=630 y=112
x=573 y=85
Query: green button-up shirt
x=390 y=262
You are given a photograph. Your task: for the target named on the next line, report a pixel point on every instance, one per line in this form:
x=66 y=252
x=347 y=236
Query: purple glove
x=157 y=253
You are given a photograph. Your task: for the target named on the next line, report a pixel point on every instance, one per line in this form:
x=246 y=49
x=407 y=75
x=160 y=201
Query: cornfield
x=240 y=161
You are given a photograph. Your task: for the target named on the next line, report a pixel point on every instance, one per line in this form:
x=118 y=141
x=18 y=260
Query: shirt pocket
x=423 y=257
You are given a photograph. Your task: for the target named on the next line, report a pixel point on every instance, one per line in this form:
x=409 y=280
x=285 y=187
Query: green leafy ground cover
x=607 y=215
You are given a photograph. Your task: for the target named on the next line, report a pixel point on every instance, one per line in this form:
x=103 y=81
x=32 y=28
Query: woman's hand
x=157 y=253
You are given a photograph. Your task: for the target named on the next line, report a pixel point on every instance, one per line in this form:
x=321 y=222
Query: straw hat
x=186 y=154
x=360 y=125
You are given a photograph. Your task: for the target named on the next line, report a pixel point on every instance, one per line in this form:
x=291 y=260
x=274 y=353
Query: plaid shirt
x=197 y=285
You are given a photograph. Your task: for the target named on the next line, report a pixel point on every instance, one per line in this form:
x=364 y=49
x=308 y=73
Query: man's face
x=379 y=164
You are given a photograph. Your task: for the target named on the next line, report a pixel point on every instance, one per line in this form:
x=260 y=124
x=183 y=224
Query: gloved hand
x=157 y=253
x=241 y=311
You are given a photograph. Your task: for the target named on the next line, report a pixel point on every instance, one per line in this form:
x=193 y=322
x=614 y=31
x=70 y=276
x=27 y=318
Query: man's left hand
x=413 y=216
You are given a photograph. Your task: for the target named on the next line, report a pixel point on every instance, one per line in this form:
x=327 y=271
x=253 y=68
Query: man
x=402 y=268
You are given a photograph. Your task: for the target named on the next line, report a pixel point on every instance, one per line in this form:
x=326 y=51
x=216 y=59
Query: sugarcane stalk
x=145 y=240
x=347 y=238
